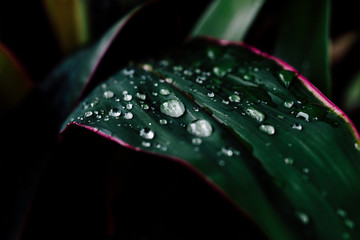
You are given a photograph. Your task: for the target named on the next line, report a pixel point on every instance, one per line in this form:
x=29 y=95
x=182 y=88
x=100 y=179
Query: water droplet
x=297 y=126
x=288 y=104
x=128 y=115
x=196 y=141
x=140 y=96
x=221 y=162
x=200 y=79
x=147 y=67
x=172 y=108
x=357 y=147
x=145 y=144
x=303 y=217
x=88 y=114
x=163 y=121
x=211 y=94
x=346 y=236
x=145 y=106
x=114 y=112
x=268 y=129
x=164 y=91
x=147 y=133
x=129 y=106
x=248 y=77
x=285 y=77
x=341 y=212
x=349 y=223
x=94 y=103
x=108 y=94
x=200 y=128
x=219 y=71
x=255 y=114
x=127 y=97
x=234 y=98
x=227 y=151
x=225 y=102
x=288 y=161
x=303 y=115
x=306 y=170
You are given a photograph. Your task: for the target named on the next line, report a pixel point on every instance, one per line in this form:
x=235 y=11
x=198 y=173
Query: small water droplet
x=341 y=212
x=114 y=112
x=200 y=79
x=129 y=106
x=303 y=217
x=200 y=128
x=108 y=94
x=288 y=104
x=346 y=236
x=306 y=170
x=268 y=129
x=145 y=144
x=94 y=103
x=163 y=121
x=172 y=108
x=88 y=114
x=219 y=71
x=196 y=141
x=140 y=96
x=145 y=106
x=227 y=151
x=234 y=98
x=349 y=223
x=127 y=97
x=211 y=94
x=255 y=114
x=164 y=91
x=147 y=133
x=303 y=115
x=248 y=77
x=285 y=77
x=221 y=163
x=288 y=161
x=297 y=126
x=357 y=147
x=128 y=115
x=147 y=67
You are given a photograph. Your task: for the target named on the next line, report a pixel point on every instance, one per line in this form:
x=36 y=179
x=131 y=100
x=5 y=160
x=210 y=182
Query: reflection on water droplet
x=164 y=91
x=268 y=129
x=289 y=161
x=147 y=133
x=303 y=115
x=255 y=114
x=211 y=94
x=196 y=141
x=288 y=104
x=88 y=114
x=108 y=94
x=297 y=126
x=234 y=98
x=200 y=128
x=303 y=217
x=114 y=112
x=172 y=108
x=128 y=115
x=163 y=121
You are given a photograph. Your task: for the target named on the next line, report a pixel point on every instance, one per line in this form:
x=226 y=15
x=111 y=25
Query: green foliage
x=250 y=127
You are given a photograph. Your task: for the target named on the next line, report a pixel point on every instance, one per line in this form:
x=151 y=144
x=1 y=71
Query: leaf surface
x=249 y=124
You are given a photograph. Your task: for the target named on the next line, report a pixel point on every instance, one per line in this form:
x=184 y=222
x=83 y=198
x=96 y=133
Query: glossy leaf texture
x=249 y=124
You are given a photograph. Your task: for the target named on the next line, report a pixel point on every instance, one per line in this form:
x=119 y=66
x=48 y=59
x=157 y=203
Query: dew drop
x=147 y=133
x=145 y=106
x=108 y=94
x=288 y=161
x=268 y=129
x=303 y=115
x=163 y=121
x=88 y=114
x=196 y=141
x=200 y=128
x=172 y=108
x=164 y=91
x=288 y=104
x=285 y=77
x=211 y=95
x=303 y=217
x=221 y=163
x=219 y=71
x=227 y=151
x=128 y=115
x=234 y=98
x=349 y=223
x=255 y=114
x=140 y=96
x=248 y=77
x=341 y=212
x=114 y=112
x=127 y=97
x=297 y=126
x=145 y=144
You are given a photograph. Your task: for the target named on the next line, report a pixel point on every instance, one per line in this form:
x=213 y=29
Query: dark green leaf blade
x=303 y=41
x=227 y=19
x=222 y=110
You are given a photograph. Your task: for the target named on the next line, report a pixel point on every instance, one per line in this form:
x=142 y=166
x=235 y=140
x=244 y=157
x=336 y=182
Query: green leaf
x=303 y=40
x=261 y=135
x=227 y=19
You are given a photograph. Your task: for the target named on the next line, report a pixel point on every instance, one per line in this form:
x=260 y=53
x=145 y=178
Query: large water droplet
x=127 y=97
x=200 y=128
x=234 y=98
x=128 y=115
x=285 y=77
x=255 y=114
x=108 y=94
x=268 y=129
x=147 y=133
x=172 y=108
